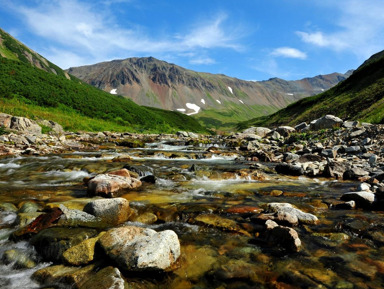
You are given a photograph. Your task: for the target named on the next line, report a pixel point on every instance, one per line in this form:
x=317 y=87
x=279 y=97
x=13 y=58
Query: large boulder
x=109 y=185
x=140 y=249
x=111 y=211
x=24 y=124
x=325 y=122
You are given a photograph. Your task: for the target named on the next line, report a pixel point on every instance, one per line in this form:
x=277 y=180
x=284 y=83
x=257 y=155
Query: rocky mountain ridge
x=152 y=82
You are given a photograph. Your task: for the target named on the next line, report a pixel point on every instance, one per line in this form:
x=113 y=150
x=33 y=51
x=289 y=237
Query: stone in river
x=287 y=211
x=362 y=199
x=110 y=184
x=112 y=211
x=106 y=278
x=281 y=236
x=51 y=243
x=289 y=169
x=77 y=218
x=220 y=223
x=140 y=249
x=82 y=253
x=43 y=221
x=20 y=259
x=60 y=276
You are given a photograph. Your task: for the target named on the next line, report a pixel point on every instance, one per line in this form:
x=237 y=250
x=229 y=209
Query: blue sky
x=247 y=39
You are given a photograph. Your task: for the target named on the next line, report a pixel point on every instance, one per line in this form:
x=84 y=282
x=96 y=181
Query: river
x=344 y=250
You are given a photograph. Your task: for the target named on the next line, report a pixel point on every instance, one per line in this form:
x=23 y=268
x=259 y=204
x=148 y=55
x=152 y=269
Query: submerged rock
x=19 y=259
x=108 y=185
x=106 y=278
x=281 y=236
x=51 y=243
x=137 y=249
x=60 y=276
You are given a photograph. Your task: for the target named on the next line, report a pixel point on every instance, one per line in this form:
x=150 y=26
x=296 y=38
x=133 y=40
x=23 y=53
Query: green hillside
x=360 y=97
x=33 y=92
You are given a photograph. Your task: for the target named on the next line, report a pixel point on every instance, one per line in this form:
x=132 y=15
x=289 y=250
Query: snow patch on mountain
x=194 y=107
x=230 y=89
x=218 y=101
x=113 y=91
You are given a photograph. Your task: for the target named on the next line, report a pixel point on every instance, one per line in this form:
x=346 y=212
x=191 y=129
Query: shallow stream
x=343 y=251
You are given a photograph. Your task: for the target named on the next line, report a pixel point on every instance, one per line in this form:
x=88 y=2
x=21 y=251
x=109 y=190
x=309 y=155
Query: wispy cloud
x=90 y=35
x=288 y=52
x=202 y=61
x=359 y=28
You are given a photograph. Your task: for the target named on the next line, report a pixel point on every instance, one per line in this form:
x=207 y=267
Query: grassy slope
x=360 y=97
x=31 y=89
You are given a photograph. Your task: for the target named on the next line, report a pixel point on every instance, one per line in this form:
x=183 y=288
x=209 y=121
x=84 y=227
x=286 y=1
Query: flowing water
x=343 y=251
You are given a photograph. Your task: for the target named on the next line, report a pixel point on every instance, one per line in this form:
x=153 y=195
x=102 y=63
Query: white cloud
x=210 y=35
x=202 y=61
x=359 y=28
x=90 y=34
x=288 y=52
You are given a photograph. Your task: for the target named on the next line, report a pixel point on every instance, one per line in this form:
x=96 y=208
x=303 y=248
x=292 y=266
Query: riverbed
x=343 y=250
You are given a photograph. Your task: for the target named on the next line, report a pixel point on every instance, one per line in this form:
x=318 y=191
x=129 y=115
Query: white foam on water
x=70 y=175
x=10 y=166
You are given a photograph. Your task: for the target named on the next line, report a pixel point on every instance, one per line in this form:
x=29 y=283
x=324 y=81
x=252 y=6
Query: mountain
x=215 y=99
x=32 y=86
x=360 y=97
x=13 y=49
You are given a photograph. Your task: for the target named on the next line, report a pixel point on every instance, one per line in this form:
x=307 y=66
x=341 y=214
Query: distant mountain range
x=360 y=97
x=216 y=100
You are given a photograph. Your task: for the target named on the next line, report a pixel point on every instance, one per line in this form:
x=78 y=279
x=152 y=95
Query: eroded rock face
x=25 y=125
x=138 y=249
x=108 y=185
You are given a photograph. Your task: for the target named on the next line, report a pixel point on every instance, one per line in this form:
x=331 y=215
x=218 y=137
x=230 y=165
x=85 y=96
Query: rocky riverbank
x=146 y=217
